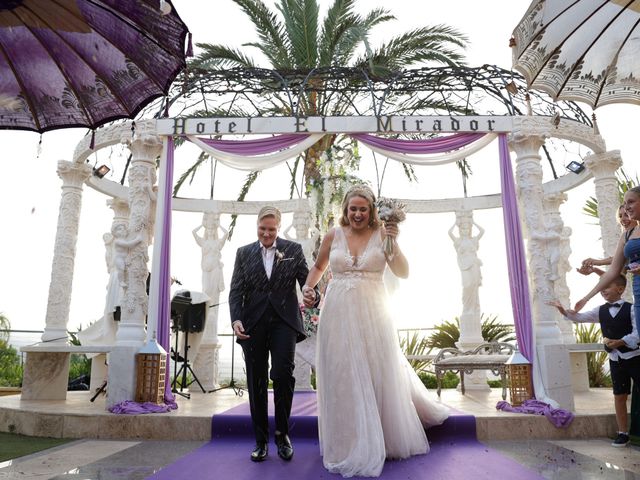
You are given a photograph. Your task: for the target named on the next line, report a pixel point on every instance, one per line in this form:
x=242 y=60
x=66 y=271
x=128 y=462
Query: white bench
x=487 y=356
x=46 y=369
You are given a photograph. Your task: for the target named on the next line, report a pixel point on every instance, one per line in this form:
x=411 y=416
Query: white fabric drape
x=254 y=163
x=436 y=159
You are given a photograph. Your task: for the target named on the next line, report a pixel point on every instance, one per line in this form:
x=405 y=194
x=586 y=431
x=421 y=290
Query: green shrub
x=79 y=365
x=10 y=367
x=449 y=380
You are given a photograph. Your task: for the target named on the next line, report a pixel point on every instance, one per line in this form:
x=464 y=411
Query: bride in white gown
x=371 y=404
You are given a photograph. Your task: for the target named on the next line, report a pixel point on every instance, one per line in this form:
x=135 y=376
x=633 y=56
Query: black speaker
x=186 y=316
x=193 y=320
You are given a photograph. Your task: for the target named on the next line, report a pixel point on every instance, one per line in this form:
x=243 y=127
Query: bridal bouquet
x=310 y=319
x=390 y=210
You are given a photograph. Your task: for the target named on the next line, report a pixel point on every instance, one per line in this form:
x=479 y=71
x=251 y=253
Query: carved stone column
x=73 y=175
x=603 y=166
x=529 y=183
x=559 y=249
x=142 y=177
x=551 y=363
x=145 y=147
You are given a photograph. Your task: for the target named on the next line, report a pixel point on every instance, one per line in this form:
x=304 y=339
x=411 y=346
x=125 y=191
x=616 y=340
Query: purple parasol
x=84 y=63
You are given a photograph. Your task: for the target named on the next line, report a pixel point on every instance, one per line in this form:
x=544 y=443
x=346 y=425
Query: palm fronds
x=243 y=193
x=624 y=183
x=415 y=345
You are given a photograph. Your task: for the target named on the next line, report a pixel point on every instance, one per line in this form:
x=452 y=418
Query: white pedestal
x=555 y=370
x=122 y=374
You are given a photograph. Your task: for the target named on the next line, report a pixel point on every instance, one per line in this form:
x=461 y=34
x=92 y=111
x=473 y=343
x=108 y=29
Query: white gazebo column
x=145 y=148
x=603 y=166
x=206 y=363
x=466 y=246
x=552 y=358
x=559 y=248
x=306 y=235
x=73 y=175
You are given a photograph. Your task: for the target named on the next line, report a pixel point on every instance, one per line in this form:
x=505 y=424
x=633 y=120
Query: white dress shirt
x=268 y=255
x=630 y=340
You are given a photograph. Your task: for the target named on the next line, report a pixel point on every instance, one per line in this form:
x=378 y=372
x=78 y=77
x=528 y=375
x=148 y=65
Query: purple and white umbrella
x=582 y=50
x=84 y=63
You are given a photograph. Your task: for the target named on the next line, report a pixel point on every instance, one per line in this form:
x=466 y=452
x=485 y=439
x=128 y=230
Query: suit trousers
x=270 y=336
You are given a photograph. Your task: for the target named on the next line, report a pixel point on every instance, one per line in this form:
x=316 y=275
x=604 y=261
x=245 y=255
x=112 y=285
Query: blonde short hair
x=269 y=211
x=365 y=192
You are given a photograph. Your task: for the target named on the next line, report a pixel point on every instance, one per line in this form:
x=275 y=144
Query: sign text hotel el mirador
x=354 y=124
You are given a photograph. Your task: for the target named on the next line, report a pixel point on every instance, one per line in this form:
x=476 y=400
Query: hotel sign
x=330 y=125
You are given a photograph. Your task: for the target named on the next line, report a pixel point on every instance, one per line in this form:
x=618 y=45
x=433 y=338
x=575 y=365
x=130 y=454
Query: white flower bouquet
x=390 y=210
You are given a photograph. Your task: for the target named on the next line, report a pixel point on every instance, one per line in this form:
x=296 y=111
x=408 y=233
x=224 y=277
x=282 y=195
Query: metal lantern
x=151 y=369
x=519 y=379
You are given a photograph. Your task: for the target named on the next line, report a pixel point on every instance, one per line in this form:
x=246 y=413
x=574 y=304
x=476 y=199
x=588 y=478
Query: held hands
x=634 y=267
x=308 y=296
x=613 y=343
x=585 y=268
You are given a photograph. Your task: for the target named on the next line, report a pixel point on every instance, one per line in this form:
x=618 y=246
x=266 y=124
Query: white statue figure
x=305 y=234
x=563 y=266
x=121 y=247
x=211 y=245
x=466 y=246
x=205 y=345
x=116 y=277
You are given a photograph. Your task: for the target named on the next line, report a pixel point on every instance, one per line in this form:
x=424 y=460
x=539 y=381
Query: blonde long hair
x=365 y=192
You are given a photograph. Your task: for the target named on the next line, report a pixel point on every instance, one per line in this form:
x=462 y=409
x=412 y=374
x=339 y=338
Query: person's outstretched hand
x=558 y=305
x=580 y=304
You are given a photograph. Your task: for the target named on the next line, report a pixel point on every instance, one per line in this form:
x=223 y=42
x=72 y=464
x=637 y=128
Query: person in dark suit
x=266 y=320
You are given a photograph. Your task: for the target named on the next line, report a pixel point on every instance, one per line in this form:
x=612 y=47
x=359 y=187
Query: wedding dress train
x=371 y=404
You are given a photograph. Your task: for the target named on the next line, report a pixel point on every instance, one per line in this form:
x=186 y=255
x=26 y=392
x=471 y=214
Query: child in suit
x=620 y=338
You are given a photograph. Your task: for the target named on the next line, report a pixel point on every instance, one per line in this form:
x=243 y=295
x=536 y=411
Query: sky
x=29 y=199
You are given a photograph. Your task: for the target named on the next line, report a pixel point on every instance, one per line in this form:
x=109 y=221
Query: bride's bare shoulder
x=331 y=233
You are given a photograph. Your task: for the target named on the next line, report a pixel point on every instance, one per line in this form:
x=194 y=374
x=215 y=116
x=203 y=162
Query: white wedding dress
x=371 y=404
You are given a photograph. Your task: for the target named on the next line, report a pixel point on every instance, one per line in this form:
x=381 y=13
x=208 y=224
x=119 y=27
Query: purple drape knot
x=129 y=407
x=559 y=417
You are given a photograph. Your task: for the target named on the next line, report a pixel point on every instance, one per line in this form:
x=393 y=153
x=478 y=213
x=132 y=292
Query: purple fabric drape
x=164 y=300
x=163 y=308
x=559 y=417
x=516 y=257
x=431 y=145
x=260 y=146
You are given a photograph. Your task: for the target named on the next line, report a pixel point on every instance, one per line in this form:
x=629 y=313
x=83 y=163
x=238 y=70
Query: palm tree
x=624 y=183
x=293 y=37
x=447 y=334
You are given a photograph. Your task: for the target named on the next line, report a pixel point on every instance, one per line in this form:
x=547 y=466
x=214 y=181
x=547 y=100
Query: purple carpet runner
x=455 y=452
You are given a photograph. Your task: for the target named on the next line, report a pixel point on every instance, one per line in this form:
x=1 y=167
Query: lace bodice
x=370 y=264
